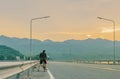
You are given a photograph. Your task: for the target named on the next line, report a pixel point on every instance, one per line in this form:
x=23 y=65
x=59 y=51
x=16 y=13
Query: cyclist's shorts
x=41 y=61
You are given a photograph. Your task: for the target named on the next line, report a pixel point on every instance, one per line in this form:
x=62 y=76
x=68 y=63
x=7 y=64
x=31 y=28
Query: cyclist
x=43 y=58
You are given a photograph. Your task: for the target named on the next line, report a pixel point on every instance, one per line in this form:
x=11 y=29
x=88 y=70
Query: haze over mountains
x=67 y=50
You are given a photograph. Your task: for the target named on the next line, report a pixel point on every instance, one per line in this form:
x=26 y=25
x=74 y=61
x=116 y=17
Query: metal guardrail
x=14 y=70
x=110 y=62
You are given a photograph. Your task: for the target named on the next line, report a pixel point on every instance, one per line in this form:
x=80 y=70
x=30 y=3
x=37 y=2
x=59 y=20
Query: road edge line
x=50 y=74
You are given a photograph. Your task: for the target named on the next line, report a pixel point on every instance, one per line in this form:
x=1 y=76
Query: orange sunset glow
x=68 y=19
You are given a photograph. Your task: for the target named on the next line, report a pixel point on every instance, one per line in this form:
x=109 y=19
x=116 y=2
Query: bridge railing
x=110 y=62
x=14 y=70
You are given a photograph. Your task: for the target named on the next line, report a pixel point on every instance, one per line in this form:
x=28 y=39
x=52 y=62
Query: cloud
x=108 y=30
x=64 y=33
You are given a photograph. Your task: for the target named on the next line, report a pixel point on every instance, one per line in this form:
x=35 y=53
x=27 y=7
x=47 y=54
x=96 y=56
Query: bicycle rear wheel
x=44 y=67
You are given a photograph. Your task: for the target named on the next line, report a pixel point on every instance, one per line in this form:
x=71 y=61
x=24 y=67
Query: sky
x=69 y=19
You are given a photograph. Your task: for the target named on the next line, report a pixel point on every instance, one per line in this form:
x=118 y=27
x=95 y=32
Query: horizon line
x=54 y=40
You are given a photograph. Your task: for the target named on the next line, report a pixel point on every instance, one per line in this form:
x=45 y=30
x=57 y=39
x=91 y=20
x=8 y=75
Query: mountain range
x=66 y=50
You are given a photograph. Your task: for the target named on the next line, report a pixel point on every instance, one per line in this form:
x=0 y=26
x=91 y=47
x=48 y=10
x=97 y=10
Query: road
x=64 y=70
x=61 y=70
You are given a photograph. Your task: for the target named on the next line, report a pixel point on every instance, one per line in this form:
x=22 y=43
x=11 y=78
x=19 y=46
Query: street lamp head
x=99 y=17
x=40 y=18
x=46 y=17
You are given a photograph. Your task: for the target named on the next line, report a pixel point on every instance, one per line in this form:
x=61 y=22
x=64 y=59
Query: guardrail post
x=28 y=73
x=18 y=76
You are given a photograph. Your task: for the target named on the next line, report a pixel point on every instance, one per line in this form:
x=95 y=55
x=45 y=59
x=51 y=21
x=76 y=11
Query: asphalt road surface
x=62 y=70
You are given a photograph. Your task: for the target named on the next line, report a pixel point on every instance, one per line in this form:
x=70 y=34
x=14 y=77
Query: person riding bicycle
x=43 y=58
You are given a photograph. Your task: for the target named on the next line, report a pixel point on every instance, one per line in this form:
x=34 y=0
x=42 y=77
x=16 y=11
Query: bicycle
x=44 y=66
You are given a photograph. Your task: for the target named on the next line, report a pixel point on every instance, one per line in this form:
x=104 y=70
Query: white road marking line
x=50 y=74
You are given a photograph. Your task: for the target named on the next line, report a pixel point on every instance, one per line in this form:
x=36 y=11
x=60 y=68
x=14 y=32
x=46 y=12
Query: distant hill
x=66 y=50
x=7 y=53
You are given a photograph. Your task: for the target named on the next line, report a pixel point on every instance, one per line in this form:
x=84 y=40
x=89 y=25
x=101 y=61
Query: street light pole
x=113 y=35
x=31 y=21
